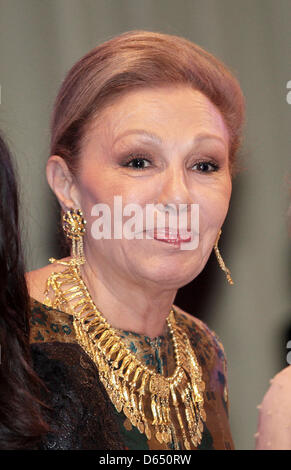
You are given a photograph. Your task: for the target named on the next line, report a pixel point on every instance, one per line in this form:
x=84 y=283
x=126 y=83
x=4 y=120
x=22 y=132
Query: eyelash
x=137 y=157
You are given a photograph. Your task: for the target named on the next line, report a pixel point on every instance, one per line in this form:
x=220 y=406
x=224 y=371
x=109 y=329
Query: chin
x=172 y=275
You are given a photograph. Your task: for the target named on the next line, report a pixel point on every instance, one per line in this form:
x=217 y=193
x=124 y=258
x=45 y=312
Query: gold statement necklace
x=150 y=401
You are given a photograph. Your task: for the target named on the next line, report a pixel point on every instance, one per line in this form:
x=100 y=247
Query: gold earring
x=221 y=262
x=74 y=228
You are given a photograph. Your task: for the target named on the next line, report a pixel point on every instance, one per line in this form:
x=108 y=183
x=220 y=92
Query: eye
x=141 y=163
x=206 y=166
x=137 y=163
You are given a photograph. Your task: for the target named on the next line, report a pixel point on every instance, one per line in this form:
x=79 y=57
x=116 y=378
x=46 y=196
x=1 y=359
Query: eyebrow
x=149 y=135
x=154 y=137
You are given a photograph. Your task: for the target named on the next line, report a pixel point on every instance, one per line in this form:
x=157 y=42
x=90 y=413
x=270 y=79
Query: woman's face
x=166 y=145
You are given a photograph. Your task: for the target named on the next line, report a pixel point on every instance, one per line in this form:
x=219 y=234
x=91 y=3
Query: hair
x=21 y=423
x=140 y=59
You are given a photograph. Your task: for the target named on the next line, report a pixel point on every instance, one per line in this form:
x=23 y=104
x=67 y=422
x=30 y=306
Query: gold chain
x=151 y=401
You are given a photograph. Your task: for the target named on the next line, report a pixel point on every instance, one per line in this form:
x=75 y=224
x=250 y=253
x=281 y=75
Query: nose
x=173 y=188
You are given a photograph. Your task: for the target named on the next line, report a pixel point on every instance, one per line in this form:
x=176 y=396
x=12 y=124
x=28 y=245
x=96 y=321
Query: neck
x=125 y=303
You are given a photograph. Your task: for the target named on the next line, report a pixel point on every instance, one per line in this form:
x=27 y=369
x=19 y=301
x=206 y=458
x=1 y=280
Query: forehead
x=166 y=110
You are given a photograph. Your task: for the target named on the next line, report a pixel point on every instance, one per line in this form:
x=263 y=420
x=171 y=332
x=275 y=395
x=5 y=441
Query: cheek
x=94 y=190
x=97 y=187
x=213 y=207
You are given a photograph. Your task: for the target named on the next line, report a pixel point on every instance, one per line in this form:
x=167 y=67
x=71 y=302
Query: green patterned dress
x=80 y=413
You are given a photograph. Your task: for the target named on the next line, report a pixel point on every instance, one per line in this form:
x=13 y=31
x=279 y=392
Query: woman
x=143 y=119
x=274 y=420
x=21 y=422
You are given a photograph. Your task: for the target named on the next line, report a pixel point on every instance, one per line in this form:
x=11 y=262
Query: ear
x=62 y=183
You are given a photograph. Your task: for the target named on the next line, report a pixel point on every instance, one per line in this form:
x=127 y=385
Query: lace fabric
x=80 y=415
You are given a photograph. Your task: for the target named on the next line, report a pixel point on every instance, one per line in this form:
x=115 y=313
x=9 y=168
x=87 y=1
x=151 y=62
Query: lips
x=169 y=235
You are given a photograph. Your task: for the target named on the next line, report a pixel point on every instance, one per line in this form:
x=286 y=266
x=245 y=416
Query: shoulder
x=36 y=279
x=275 y=414
x=210 y=354
x=49 y=325
x=201 y=336
x=278 y=391
x=46 y=324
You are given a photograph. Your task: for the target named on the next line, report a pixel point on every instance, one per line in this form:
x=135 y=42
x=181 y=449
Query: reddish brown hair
x=140 y=59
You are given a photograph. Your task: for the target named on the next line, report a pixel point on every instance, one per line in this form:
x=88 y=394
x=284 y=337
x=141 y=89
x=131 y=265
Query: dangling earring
x=74 y=228
x=221 y=262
